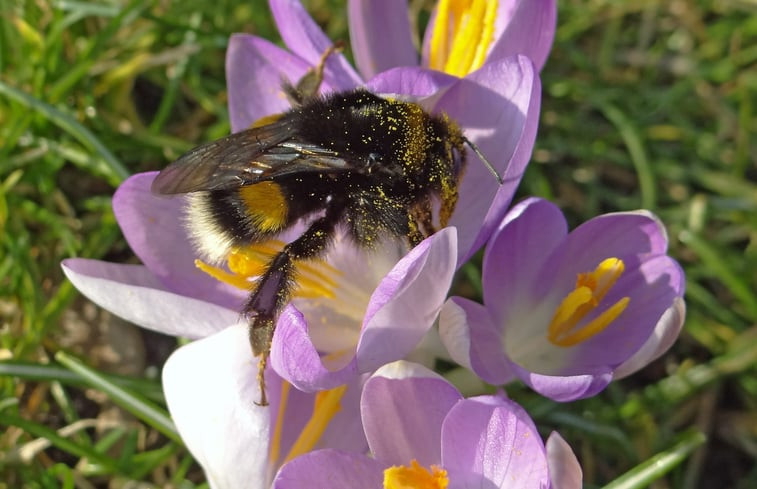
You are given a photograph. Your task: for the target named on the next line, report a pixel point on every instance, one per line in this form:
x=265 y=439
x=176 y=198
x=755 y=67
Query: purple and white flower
x=568 y=312
x=422 y=433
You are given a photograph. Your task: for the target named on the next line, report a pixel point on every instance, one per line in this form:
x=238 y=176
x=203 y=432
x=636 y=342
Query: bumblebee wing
x=225 y=163
x=243 y=158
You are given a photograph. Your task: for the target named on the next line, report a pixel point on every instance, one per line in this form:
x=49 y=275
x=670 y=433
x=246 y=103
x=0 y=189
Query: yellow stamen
x=221 y=275
x=462 y=35
x=439 y=37
x=415 y=477
x=327 y=404
x=315 y=278
x=591 y=287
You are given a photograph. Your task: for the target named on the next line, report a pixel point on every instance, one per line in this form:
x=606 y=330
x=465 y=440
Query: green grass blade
x=652 y=469
x=138 y=406
x=113 y=170
x=59 y=441
x=53 y=373
x=635 y=146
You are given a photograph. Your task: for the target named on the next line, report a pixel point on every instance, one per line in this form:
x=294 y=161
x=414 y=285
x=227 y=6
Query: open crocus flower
x=461 y=37
x=567 y=313
x=362 y=310
x=423 y=434
x=496 y=102
x=211 y=390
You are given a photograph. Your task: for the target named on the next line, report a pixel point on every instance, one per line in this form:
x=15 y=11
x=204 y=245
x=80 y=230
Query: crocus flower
x=422 y=433
x=211 y=390
x=496 y=102
x=568 y=312
x=461 y=37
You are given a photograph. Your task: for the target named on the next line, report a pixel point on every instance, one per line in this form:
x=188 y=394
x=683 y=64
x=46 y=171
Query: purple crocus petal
x=397 y=428
x=528 y=234
x=345 y=430
x=295 y=358
x=564 y=388
x=529 y=30
x=402 y=308
x=380 y=35
x=564 y=470
x=665 y=333
x=153 y=228
x=254 y=70
x=213 y=406
x=330 y=469
x=490 y=441
x=473 y=340
x=498 y=105
x=134 y=294
x=411 y=81
x=427 y=37
x=407 y=301
x=303 y=37
x=630 y=236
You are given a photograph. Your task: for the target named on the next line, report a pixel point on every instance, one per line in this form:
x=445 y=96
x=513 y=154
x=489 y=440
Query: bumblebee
x=373 y=166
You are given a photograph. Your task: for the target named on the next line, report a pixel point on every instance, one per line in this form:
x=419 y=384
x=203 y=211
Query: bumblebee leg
x=449 y=200
x=420 y=222
x=414 y=234
x=274 y=288
x=307 y=86
x=424 y=214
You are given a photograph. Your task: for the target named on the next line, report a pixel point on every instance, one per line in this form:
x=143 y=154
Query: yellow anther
x=327 y=404
x=251 y=260
x=238 y=281
x=315 y=278
x=415 y=477
x=566 y=329
x=462 y=35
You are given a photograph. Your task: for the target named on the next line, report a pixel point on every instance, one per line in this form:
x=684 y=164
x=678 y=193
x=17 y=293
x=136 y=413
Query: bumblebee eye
x=458 y=160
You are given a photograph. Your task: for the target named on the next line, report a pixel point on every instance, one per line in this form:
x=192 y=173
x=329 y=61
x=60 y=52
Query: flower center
x=568 y=327
x=315 y=278
x=327 y=404
x=415 y=477
x=463 y=32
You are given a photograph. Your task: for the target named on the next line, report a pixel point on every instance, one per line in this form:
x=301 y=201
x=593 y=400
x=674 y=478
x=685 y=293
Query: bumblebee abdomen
x=266 y=206
x=221 y=219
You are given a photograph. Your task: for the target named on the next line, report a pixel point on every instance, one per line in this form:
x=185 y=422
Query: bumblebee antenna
x=488 y=165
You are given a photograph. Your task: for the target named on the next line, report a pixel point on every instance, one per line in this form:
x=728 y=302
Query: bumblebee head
x=455 y=147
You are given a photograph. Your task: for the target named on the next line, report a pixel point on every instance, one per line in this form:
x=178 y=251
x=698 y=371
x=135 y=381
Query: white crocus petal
x=334 y=323
x=455 y=333
x=525 y=337
x=211 y=388
x=564 y=470
x=402 y=369
x=132 y=292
